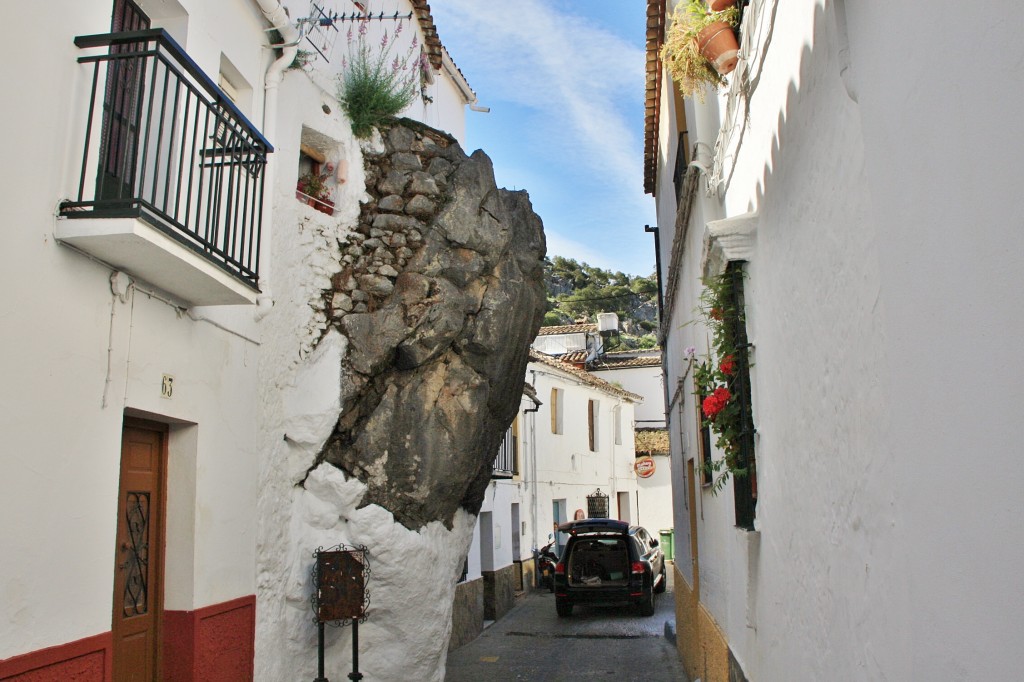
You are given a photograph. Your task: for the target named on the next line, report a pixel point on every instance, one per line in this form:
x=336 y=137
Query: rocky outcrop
x=440 y=295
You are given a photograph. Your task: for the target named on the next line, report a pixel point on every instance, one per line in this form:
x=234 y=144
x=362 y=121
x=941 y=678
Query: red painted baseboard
x=86 y=660
x=212 y=643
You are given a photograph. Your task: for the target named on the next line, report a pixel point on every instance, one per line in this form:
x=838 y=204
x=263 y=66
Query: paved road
x=533 y=643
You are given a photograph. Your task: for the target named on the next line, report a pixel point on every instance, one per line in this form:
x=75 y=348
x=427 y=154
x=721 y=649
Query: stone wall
x=378 y=418
x=440 y=294
x=499 y=592
x=467 y=613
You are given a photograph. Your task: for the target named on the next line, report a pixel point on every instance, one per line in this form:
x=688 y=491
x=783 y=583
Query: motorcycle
x=546 y=560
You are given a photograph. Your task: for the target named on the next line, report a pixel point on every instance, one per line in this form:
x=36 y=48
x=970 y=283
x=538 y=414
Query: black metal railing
x=679 y=173
x=744 y=487
x=164 y=144
x=506 y=462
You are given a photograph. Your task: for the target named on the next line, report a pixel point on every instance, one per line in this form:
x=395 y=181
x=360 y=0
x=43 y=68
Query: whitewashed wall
x=882 y=306
x=76 y=359
x=646 y=381
x=300 y=398
x=654 y=498
x=446 y=108
x=565 y=466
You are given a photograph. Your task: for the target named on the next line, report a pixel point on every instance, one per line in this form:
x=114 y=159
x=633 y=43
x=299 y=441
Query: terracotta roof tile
x=576 y=356
x=567 y=329
x=652 y=90
x=624 y=363
x=431 y=42
x=584 y=376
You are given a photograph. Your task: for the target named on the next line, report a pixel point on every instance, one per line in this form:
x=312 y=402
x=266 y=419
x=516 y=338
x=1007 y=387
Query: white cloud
x=564 y=66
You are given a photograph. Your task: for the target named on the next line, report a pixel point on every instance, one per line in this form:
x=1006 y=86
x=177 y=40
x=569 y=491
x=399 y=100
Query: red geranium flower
x=714 y=403
x=728 y=365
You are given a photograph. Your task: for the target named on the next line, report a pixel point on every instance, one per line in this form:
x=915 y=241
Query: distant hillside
x=577 y=291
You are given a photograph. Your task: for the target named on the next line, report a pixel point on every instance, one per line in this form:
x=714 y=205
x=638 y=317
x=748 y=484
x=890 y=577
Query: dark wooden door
x=138 y=574
x=122 y=104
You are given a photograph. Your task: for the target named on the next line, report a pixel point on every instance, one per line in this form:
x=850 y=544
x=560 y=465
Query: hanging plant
x=716 y=377
x=700 y=47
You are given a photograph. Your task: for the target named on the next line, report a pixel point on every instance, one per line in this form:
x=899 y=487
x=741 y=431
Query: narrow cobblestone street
x=604 y=642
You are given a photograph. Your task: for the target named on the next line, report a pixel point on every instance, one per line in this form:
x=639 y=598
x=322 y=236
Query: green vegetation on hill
x=580 y=291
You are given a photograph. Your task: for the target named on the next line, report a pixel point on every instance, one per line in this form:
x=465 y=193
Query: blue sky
x=565 y=83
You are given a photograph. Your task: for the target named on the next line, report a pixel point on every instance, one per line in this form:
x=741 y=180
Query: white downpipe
x=533 y=466
x=279 y=19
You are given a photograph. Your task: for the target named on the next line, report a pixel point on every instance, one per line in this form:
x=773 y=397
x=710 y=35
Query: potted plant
x=312 y=189
x=700 y=47
x=716 y=377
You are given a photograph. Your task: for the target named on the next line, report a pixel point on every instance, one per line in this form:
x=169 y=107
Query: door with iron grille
x=138 y=574
x=122 y=104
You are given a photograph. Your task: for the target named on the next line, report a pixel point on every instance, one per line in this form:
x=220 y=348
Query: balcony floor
x=142 y=251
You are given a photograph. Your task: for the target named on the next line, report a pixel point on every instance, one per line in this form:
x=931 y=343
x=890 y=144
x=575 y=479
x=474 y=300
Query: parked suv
x=607 y=561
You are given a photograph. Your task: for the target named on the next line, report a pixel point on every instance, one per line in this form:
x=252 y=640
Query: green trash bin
x=666 y=542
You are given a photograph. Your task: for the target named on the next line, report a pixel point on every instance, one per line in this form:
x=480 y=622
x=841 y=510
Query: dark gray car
x=606 y=561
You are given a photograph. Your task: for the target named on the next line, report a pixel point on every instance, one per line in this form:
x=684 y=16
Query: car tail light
x=638 y=567
x=559 y=568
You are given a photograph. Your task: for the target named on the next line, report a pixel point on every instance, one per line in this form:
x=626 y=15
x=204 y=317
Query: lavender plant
x=374 y=85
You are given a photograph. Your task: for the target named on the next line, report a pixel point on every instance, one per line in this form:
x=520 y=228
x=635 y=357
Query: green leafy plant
x=315 y=185
x=374 y=85
x=681 y=54
x=715 y=379
x=302 y=58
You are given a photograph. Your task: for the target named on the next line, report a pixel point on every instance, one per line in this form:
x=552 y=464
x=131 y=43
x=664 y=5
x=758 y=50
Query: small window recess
x=235 y=86
x=318 y=173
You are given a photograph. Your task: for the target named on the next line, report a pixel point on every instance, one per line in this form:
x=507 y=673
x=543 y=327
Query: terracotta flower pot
x=717 y=44
x=323 y=205
x=719 y=5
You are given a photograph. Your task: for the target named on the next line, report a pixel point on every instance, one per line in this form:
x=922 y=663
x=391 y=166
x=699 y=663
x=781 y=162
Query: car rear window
x=597 y=561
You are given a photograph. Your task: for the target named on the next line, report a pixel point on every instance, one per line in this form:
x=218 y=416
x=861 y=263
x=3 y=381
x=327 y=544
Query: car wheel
x=563 y=608
x=664 y=581
x=647 y=605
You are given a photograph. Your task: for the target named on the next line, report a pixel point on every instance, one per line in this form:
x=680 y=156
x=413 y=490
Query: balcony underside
x=143 y=251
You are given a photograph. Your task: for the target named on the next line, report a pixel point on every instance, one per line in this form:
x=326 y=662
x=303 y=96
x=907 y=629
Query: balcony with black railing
x=171 y=181
x=506 y=462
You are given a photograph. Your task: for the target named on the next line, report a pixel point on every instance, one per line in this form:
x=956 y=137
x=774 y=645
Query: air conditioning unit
x=607 y=322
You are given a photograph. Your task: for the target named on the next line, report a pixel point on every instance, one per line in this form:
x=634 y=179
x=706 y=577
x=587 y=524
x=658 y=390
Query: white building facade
x=857 y=176
x=572 y=440
x=640 y=372
x=169 y=337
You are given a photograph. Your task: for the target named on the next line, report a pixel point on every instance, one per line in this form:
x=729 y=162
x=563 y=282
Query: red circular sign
x=644 y=467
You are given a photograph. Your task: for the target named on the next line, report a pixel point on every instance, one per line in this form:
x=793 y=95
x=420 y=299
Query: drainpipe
x=533 y=460
x=657 y=269
x=278 y=18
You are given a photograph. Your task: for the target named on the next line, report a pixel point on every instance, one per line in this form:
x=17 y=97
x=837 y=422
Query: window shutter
x=590 y=423
x=554 y=410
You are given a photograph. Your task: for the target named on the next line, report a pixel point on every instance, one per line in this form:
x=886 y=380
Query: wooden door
x=691 y=489
x=138 y=574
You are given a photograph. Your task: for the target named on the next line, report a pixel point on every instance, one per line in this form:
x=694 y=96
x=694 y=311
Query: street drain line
x=577 y=636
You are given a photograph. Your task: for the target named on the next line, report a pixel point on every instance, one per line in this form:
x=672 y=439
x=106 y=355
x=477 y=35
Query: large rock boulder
x=441 y=295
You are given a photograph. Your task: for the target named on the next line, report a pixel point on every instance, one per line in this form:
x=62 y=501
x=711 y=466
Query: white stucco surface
x=302 y=506
x=77 y=358
x=646 y=381
x=882 y=312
